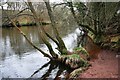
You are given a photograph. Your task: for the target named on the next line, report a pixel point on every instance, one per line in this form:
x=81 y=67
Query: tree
x=14 y=11
x=91 y=17
x=64 y=58
x=102 y=13
x=99 y=18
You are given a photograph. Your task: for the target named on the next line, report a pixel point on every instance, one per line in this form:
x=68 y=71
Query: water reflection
x=57 y=70
x=14 y=67
x=19 y=59
x=14 y=43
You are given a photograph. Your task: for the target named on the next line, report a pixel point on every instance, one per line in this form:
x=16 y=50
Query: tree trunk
x=78 y=23
x=54 y=55
x=61 y=46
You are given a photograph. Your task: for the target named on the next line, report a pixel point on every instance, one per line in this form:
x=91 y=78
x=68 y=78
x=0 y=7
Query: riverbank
x=104 y=67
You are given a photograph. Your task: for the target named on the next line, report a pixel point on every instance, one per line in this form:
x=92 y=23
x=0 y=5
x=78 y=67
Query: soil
x=106 y=66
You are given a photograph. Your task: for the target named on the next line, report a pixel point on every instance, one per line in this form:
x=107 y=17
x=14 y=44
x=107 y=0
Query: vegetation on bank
x=92 y=19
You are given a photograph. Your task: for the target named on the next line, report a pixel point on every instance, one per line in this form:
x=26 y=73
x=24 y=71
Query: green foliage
x=74 y=61
x=76 y=72
x=80 y=7
x=81 y=11
x=81 y=50
x=64 y=52
x=73 y=56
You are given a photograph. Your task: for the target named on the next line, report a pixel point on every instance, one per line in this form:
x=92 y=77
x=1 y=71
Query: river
x=18 y=59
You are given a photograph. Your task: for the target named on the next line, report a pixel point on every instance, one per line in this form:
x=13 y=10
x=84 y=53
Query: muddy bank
x=104 y=67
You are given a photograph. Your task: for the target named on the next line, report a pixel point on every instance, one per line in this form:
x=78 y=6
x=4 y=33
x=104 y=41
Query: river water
x=19 y=60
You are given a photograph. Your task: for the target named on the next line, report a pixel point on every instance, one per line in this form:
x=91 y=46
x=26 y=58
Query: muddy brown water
x=19 y=60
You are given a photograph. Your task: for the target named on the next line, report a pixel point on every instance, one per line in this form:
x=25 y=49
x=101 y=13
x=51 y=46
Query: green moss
x=64 y=52
x=74 y=60
x=81 y=50
x=73 y=56
x=76 y=72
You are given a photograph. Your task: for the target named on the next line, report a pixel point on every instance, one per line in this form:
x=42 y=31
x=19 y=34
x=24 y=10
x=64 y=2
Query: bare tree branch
x=73 y=13
x=45 y=54
x=54 y=55
x=50 y=37
x=61 y=47
x=59 y=4
x=16 y=15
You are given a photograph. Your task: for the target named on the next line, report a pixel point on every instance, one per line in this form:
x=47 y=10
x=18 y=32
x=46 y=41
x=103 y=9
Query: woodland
x=98 y=39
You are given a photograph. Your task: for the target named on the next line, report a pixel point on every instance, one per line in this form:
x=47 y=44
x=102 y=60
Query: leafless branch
x=45 y=54
x=54 y=55
x=59 y=5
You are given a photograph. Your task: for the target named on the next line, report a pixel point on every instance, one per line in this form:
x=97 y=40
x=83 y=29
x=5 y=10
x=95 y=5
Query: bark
x=61 y=46
x=54 y=55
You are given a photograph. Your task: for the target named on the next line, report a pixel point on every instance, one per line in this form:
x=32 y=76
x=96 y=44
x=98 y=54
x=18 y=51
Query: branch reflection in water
x=62 y=70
